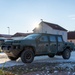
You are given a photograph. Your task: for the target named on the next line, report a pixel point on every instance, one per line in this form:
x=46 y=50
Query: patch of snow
x=11 y=63
x=38 y=59
x=37 y=74
x=68 y=73
x=56 y=59
x=55 y=71
x=74 y=73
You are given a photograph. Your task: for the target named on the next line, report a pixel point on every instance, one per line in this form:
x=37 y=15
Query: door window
x=44 y=39
x=52 y=38
x=60 y=39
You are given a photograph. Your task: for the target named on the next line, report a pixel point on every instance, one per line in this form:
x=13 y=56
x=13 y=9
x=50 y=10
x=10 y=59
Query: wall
x=63 y=33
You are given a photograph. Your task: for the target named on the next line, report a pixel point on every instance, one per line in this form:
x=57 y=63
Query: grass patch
x=2 y=72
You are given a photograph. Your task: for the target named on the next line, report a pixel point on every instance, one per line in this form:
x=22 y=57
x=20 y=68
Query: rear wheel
x=13 y=58
x=51 y=55
x=66 y=54
x=27 y=56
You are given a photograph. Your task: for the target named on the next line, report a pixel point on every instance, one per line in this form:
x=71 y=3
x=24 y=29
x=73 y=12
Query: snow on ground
x=38 y=59
x=55 y=59
x=8 y=62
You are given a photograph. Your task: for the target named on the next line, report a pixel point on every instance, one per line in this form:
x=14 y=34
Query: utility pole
x=27 y=31
x=41 y=20
x=8 y=30
x=42 y=24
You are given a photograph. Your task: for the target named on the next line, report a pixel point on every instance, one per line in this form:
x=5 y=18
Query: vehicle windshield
x=32 y=36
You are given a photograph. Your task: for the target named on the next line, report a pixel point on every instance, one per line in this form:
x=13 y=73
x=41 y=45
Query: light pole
x=42 y=24
x=8 y=30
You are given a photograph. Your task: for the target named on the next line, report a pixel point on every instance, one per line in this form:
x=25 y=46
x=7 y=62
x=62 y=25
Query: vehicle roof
x=46 y=34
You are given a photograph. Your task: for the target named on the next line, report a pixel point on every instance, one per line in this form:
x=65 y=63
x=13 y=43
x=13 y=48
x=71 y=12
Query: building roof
x=55 y=26
x=5 y=35
x=20 y=34
x=71 y=35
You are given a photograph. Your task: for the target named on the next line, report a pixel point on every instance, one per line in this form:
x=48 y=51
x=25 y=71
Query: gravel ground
x=43 y=69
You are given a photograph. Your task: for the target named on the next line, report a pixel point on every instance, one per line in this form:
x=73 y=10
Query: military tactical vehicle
x=37 y=44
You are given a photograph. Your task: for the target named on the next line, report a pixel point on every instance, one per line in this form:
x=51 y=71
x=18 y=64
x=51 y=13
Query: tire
x=66 y=54
x=13 y=58
x=27 y=56
x=51 y=55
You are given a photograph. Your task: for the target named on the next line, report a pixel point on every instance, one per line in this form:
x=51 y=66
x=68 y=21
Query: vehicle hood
x=27 y=42
x=10 y=42
x=19 y=42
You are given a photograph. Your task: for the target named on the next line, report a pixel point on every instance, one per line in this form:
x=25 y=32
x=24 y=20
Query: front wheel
x=66 y=54
x=27 y=56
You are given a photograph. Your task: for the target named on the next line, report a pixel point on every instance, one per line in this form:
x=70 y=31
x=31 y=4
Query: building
x=4 y=37
x=20 y=35
x=50 y=28
x=71 y=36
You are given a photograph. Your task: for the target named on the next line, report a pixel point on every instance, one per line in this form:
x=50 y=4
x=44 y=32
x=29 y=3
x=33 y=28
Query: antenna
x=41 y=20
x=27 y=31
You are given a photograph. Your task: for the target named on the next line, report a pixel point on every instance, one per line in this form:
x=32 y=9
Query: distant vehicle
x=37 y=44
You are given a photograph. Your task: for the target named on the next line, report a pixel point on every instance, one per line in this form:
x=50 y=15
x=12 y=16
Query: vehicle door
x=53 y=44
x=60 y=43
x=43 y=44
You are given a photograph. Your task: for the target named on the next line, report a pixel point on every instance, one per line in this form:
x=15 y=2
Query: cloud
x=72 y=17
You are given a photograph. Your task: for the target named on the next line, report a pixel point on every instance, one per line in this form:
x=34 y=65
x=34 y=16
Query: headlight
x=16 y=46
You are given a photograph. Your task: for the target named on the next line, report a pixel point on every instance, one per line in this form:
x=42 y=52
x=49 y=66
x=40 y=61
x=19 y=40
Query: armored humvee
x=37 y=44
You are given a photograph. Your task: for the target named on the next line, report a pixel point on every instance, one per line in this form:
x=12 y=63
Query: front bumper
x=11 y=50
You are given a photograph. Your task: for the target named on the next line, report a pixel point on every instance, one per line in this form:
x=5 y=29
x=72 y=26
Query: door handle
x=58 y=45
x=54 y=45
x=46 y=44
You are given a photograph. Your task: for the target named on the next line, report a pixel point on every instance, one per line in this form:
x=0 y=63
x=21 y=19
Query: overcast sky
x=24 y=15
